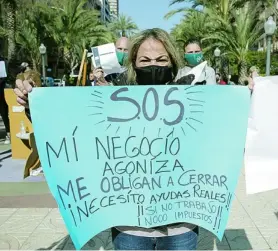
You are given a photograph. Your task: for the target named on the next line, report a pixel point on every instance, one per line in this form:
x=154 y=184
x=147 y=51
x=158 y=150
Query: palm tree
x=10 y=26
x=27 y=39
x=194 y=25
x=237 y=34
x=124 y=26
x=233 y=25
x=74 y=28
x=3 y=32
x=216 y=5
x=196 y=4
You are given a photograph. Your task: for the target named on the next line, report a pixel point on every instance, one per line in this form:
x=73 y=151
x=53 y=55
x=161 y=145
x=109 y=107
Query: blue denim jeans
x=186 y=241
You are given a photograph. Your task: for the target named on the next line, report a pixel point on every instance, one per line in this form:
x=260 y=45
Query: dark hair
x=193 y=41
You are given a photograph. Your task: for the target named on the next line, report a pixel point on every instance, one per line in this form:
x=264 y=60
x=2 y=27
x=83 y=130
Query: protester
x=253 y=73
x=119 y=78
x=223 y=81
x=96 y=78
x=91 y=80
x=153 y=60
x=230 y=82
x=218 y=78
x=194 y=56
x=122 y=51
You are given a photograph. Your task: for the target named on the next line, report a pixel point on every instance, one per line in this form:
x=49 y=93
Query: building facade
x=103 y=7
x=114 y=8
x=105 y=11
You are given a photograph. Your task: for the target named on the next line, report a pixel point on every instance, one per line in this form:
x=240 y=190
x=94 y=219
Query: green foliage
x=74 y=28
x=67 y=25
x=258 y=59
x=123 y=26
x=235 y=26
x=3 y=32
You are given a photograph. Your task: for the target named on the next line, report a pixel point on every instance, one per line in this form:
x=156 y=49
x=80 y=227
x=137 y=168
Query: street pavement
x=30 y=220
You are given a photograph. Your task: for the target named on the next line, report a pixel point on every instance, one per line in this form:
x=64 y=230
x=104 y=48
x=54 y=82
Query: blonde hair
x=156 y=34
x=252 y=69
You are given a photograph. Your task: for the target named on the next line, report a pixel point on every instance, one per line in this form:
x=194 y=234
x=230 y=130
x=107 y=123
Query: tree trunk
x=57 y=65
x=67 y=60
x=242 y=73
x=73 y=65
x=34 y=63
x=10 y=26
x=224 y=69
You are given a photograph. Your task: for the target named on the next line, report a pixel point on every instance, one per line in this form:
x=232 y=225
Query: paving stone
x=21 y=224
x=270 y=197
x=50 y=241
x=207 y=241
x=242 y=232
x=52 y=223
x=5 y=214
x=273 y=240
x=12 y=241
x=40 y=212
x=7 y=211
x=240 y=239
x=262 y=213
x=102 y=241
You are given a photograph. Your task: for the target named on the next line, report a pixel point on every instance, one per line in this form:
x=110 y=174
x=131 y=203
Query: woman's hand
x=21 y=91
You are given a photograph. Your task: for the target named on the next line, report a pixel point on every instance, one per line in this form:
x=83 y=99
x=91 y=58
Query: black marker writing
x=63 y=149
x=70 y=191
x=63 y=145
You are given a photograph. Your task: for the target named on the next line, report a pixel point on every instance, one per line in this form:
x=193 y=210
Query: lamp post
x=43 y=52
x=269 y=27
x=217 y=54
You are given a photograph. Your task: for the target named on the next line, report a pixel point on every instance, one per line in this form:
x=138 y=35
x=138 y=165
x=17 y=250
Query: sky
x=150 y=13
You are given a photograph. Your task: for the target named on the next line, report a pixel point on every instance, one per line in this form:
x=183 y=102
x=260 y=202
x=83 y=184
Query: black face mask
x=154 y=75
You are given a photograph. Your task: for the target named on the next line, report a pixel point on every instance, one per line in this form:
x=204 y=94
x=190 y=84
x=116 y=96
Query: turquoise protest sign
x=141 y=156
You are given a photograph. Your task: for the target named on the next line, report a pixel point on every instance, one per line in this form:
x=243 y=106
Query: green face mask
x=194 y=59
x=121 y=57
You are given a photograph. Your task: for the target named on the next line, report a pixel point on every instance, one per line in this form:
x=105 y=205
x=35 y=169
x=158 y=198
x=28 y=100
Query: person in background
x=49 y=77
x=253 y=73
x=122 y=51
x=4 y=110
x=230 y=82
x=217 y=78
x=223 y=81
x=96 y=78
x=193 y=56
x=120 y=78
x=91 y=80
x=121 y=47
x=153 y=59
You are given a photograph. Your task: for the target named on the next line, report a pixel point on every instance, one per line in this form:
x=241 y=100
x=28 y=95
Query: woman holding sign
x=153 y=60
